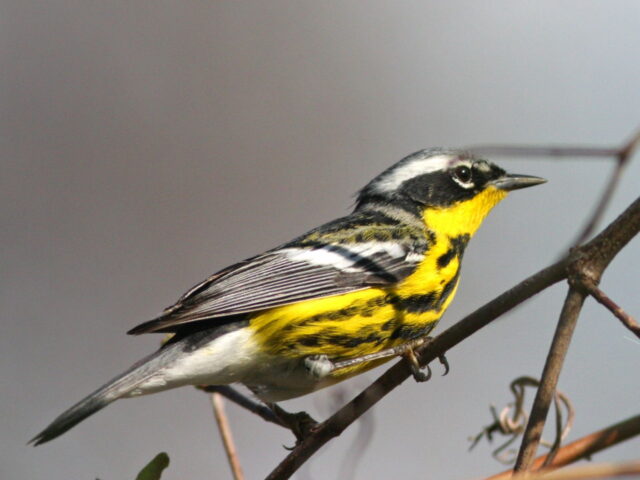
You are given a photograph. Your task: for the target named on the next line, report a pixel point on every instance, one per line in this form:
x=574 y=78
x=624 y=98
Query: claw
x=445 y=364
x=420 y=376
x=300 y=423
x=416 y=370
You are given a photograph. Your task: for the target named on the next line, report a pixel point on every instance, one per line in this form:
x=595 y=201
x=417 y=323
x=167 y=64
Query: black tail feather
x=117 y=388
x=72 y=417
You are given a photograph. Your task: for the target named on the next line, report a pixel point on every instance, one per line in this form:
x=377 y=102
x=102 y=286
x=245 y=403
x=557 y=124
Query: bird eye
x=462 y=174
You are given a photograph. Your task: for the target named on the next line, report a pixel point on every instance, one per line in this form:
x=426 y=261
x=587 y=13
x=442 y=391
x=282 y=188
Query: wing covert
x=288 y=275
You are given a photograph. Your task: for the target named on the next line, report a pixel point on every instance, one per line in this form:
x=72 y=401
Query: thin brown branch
x=549 y=381
x=603 y=202
x=622 y=155
x=559 y=151
x=601 y=470
x=631 y=145
x=592 y=258
x=236 y=397
x=584 y=447
x=549 y=151
x=226 y=436
x=626 y=319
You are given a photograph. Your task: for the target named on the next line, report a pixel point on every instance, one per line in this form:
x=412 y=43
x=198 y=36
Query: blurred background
x=145 y=145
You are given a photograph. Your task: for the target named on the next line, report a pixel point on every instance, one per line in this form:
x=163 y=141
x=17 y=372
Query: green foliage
x=153 y=469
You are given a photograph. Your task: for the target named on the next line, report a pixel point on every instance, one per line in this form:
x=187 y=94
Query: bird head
x=441 y=185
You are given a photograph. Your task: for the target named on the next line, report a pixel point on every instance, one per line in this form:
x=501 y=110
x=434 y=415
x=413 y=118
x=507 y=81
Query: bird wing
x=288 y=275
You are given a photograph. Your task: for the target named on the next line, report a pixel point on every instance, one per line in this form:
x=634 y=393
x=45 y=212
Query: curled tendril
x=512 y=419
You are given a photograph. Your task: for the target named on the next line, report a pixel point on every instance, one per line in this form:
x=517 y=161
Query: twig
x=622 y=155
x=591 y=259
x=626 y=319
x=236 y=397
x=584 y=447
x=550 y=151
x=601 y=206
x=227 y=437
x=549 y=381
x=602 y=470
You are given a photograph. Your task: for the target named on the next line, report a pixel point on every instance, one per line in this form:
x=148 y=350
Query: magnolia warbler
x=280 y=322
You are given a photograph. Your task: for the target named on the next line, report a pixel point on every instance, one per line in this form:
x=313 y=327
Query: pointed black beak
x=510 y=182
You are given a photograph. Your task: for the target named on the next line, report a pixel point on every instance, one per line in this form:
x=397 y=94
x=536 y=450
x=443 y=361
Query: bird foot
x=416 y=370
x=300 y=423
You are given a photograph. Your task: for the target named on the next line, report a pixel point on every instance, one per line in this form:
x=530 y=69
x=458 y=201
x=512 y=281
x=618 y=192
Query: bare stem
x=584 y=447
x=227 y=437
x=549 y=151
x=603 y=202
x=622 y=155
x=236 y=397
x=601 y=470
x=626 y=319
x=550 y=375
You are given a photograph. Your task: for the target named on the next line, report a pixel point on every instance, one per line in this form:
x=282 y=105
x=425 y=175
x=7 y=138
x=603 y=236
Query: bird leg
x=386 y=353
x=405 y=350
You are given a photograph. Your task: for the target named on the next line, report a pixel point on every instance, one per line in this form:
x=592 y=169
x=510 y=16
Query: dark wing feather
x=285 y=276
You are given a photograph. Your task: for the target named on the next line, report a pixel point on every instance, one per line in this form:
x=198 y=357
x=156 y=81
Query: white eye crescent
x=462 y=176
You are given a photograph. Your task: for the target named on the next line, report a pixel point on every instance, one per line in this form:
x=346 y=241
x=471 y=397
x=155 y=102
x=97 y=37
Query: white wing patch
x=414 y=257
x=320 y=257
x=349 y=255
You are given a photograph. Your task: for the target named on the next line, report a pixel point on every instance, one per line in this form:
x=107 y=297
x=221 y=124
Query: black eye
x=462 y=174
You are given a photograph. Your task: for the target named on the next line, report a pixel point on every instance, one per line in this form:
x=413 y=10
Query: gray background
x=144 y=145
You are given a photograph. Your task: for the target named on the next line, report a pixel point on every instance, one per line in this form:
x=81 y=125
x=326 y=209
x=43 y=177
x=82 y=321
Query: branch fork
x=582 y=267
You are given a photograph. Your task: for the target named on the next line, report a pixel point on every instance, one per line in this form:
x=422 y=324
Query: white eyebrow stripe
x=397 y=177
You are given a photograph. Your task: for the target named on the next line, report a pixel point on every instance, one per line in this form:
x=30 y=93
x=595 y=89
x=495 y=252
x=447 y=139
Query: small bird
x=283 y=322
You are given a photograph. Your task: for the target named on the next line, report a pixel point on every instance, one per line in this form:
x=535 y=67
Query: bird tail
x=116 y=388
